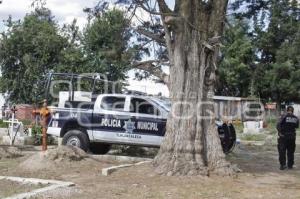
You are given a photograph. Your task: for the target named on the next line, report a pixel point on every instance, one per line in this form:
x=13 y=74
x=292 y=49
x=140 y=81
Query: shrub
x=36 y=130
x=3 y=124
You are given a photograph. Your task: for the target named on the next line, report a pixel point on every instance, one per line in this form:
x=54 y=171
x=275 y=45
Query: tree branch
x=167 y=10
x=163 y=7
x=154 y=70
x=141 y=5
x=158 y=38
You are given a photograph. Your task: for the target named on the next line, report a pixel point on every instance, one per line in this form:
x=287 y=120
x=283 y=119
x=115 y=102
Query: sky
x=65 y=11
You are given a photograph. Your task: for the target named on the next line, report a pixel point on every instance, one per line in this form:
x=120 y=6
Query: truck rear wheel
x=76 y=138
x=99 y=148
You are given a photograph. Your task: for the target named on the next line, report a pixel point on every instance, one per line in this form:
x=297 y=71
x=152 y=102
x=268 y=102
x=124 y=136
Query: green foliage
x=3 y=124
x=36 y=130
x=279 y=69
x=284 y=81
x=106 y=43
x=35 y=46
x=39 y=140
x=275 y=39
x=72 y=58
x=29 y=49
x=37 y=133
x=238 y=55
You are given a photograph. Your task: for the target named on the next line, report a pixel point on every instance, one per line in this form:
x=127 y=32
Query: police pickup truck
x=119 y=119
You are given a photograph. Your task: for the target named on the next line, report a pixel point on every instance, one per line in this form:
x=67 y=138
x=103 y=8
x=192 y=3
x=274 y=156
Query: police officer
x=286 y=127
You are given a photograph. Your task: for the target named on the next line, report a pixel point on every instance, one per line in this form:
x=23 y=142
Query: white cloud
x=148 y=87
x=16 y=8
x=64 y=11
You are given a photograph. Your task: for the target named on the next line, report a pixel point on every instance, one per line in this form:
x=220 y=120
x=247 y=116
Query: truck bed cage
x=94 y=77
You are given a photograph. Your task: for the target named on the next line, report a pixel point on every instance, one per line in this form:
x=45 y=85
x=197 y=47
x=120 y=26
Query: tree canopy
x=106 y=44
x=273 y=32
x=28 y=50
x=235 y=71
x=36 y=45
x=278 y=71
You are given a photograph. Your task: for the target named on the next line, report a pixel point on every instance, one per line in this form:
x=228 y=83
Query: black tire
x=99 y=148
x=227 y=136
x=232 y=138
x=76 y=138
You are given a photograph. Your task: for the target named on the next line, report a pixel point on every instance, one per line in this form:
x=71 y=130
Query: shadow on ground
x=260 y=159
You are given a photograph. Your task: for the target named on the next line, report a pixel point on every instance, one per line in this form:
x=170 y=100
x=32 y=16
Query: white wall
x=297 y=109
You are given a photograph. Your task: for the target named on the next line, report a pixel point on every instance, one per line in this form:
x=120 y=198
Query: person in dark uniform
x=286 y=127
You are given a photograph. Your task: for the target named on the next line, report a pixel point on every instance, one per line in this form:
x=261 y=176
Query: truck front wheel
x=76 y=138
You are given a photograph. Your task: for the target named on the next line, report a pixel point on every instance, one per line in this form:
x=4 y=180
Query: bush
x=3 y=125
x=36 y=130
x=38 y=140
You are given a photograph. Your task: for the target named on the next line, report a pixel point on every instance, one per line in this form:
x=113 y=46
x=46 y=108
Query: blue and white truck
x=128 y=119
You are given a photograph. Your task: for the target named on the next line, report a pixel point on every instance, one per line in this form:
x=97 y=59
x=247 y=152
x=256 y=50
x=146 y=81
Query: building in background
x=24 y=112
x=238 y=108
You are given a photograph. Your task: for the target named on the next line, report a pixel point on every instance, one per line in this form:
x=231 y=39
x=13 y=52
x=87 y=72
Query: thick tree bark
x=191 y=145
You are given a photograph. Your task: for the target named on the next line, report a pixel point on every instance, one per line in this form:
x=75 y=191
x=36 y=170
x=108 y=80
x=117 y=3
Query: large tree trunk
x=191 y=145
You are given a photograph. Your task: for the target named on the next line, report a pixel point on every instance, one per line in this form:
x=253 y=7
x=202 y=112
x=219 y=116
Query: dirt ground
x=260 y=178
x=6 y=189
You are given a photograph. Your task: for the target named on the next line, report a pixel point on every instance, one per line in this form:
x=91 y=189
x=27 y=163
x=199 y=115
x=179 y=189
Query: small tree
x=72 y=59
x=236 y=73
x=275 y=43
x=28 y=50
x=106 y=44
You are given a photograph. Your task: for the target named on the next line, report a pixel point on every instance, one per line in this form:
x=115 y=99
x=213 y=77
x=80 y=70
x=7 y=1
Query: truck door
x=148 y=121
x=108 y=118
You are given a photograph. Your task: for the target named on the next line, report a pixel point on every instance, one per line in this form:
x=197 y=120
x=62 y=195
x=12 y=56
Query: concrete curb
x=54 y=184
x=110 y=170
x=119 y=158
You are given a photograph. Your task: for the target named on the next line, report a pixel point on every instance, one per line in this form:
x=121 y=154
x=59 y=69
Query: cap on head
x=290 y=109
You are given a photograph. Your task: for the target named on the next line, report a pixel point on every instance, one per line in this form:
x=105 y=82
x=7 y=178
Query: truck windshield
x=163 y=103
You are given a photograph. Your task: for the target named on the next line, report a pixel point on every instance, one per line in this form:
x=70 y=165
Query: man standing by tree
x=287 y=137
